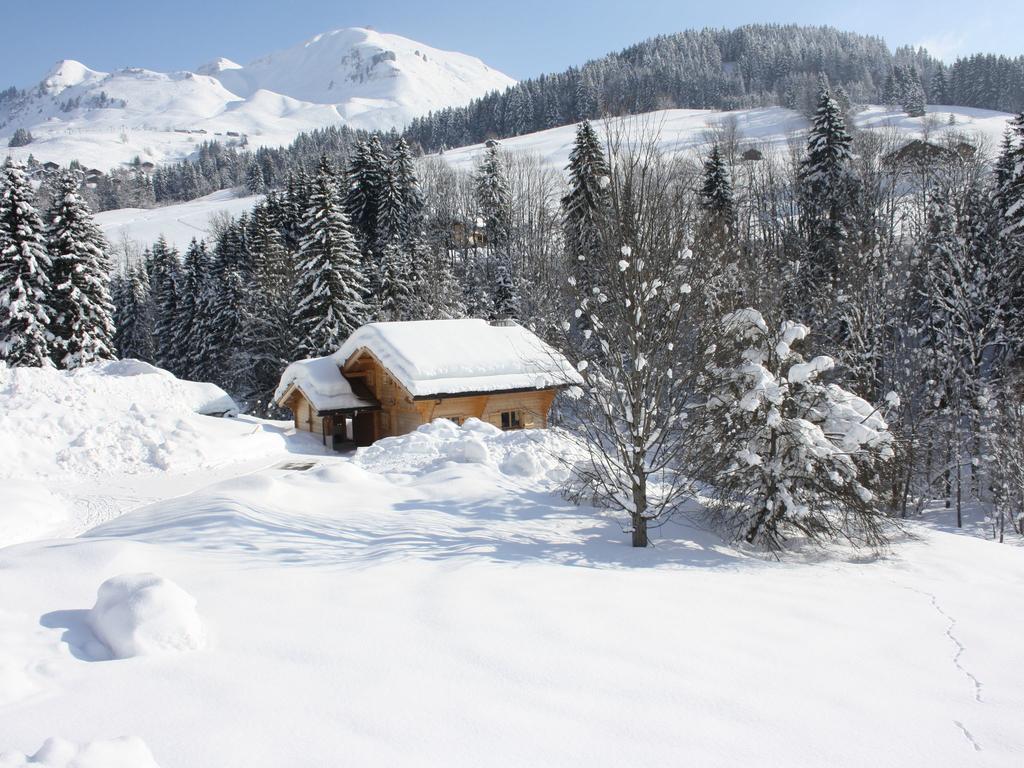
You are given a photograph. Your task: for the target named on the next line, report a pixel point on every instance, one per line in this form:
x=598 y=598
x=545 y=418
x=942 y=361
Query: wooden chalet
x=390 y=378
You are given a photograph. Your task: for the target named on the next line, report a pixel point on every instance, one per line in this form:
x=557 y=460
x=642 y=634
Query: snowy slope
x=177 y=223
x=355 y=76
x=427 y=604
x=767 y=128
x=677 y=130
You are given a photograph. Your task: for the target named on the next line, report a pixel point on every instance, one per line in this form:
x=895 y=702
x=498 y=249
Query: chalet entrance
x=364 y=430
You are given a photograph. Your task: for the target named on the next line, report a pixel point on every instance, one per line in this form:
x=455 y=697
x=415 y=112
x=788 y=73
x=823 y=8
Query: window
x=511 y=419
x=460 y=420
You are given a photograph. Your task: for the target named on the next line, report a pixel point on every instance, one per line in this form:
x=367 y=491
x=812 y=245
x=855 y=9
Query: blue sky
x=520 y=37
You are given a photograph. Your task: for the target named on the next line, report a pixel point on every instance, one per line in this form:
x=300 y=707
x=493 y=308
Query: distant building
x=752 y=155
x=390 y=378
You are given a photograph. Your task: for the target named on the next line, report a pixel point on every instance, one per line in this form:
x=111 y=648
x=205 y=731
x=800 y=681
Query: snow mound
x=125 y=752
x=115 y=417
x=530 y=453
x=142 y=614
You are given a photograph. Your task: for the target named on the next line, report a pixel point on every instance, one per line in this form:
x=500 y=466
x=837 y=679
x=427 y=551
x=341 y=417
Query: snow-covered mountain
x=358 y=77
x=376 y=80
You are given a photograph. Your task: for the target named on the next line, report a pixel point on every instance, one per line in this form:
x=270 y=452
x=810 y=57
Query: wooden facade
x=397 y=412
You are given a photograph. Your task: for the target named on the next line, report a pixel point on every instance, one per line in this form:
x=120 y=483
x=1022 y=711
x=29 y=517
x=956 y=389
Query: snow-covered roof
x=320 y=380
x=447 y=357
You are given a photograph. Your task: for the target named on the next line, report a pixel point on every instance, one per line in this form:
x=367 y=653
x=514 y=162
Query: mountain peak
x=374 y=78
x=66 y=73
x=219 y=64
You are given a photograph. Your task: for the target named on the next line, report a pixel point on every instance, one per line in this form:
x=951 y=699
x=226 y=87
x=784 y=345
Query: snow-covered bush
x=140 y=614
x=786 y=453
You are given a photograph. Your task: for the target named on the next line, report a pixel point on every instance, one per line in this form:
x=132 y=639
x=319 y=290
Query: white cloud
x=946 y=46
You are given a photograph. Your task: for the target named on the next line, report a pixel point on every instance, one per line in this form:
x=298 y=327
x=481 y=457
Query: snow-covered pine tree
x=25 y=280
x=716 y=194
x=164 y=279
x=189 y=335
x=586 y=204
x=494 y=198
x=266 y=328
x=506 y=297
x=365 y=178
x=1010 y=179
x=133 y=326
x=938 y=92
x=914 y=98
x=828 y=200
x=786 y=454
x=393 y=293
x=254 y=181
x=403 y=171
x=329 y=287
x=83 y=323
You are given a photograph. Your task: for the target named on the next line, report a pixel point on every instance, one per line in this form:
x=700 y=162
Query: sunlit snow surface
x=431 y=600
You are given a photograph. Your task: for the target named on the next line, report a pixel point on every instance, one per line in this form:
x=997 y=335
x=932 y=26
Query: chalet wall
x=400 y=413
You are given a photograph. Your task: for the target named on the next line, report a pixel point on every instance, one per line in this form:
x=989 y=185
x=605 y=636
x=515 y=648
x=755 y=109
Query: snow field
x=124 y=752
x=432 y=601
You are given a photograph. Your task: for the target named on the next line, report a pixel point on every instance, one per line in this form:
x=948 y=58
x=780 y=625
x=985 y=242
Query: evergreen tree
x=83 y=324
x=266 y=329
x=25 y=281
x=366 y=177
x=939 y=91
x=493 y=197
x=164 y=278
x=1010 y=179
x=329 y=288
x=394 y=295
x=133 y=316
x=716 y=190
x=828 y=197
x=586 y=204
x=254 y=181
x=914 y=99
x=506 y=299
x=189 y=335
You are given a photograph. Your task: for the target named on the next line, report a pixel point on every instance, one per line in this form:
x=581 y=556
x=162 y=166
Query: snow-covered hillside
x=358 y=77
x=767 y=128
x=677 y=130
x=426 y=604
x=177 y=223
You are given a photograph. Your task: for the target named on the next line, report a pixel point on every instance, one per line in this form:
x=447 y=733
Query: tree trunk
x=639 y=531
x=639 y=515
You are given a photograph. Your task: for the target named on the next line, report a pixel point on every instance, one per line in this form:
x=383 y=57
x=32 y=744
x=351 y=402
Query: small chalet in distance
x=390 y=378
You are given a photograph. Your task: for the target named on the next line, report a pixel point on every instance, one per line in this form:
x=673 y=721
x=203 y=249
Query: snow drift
x=537 y=454
x=120 y=416
x=59 y=429
x=125 y=752
x=143 y=614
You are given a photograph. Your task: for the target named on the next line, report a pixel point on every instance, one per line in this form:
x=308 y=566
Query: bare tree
x=643 y=308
